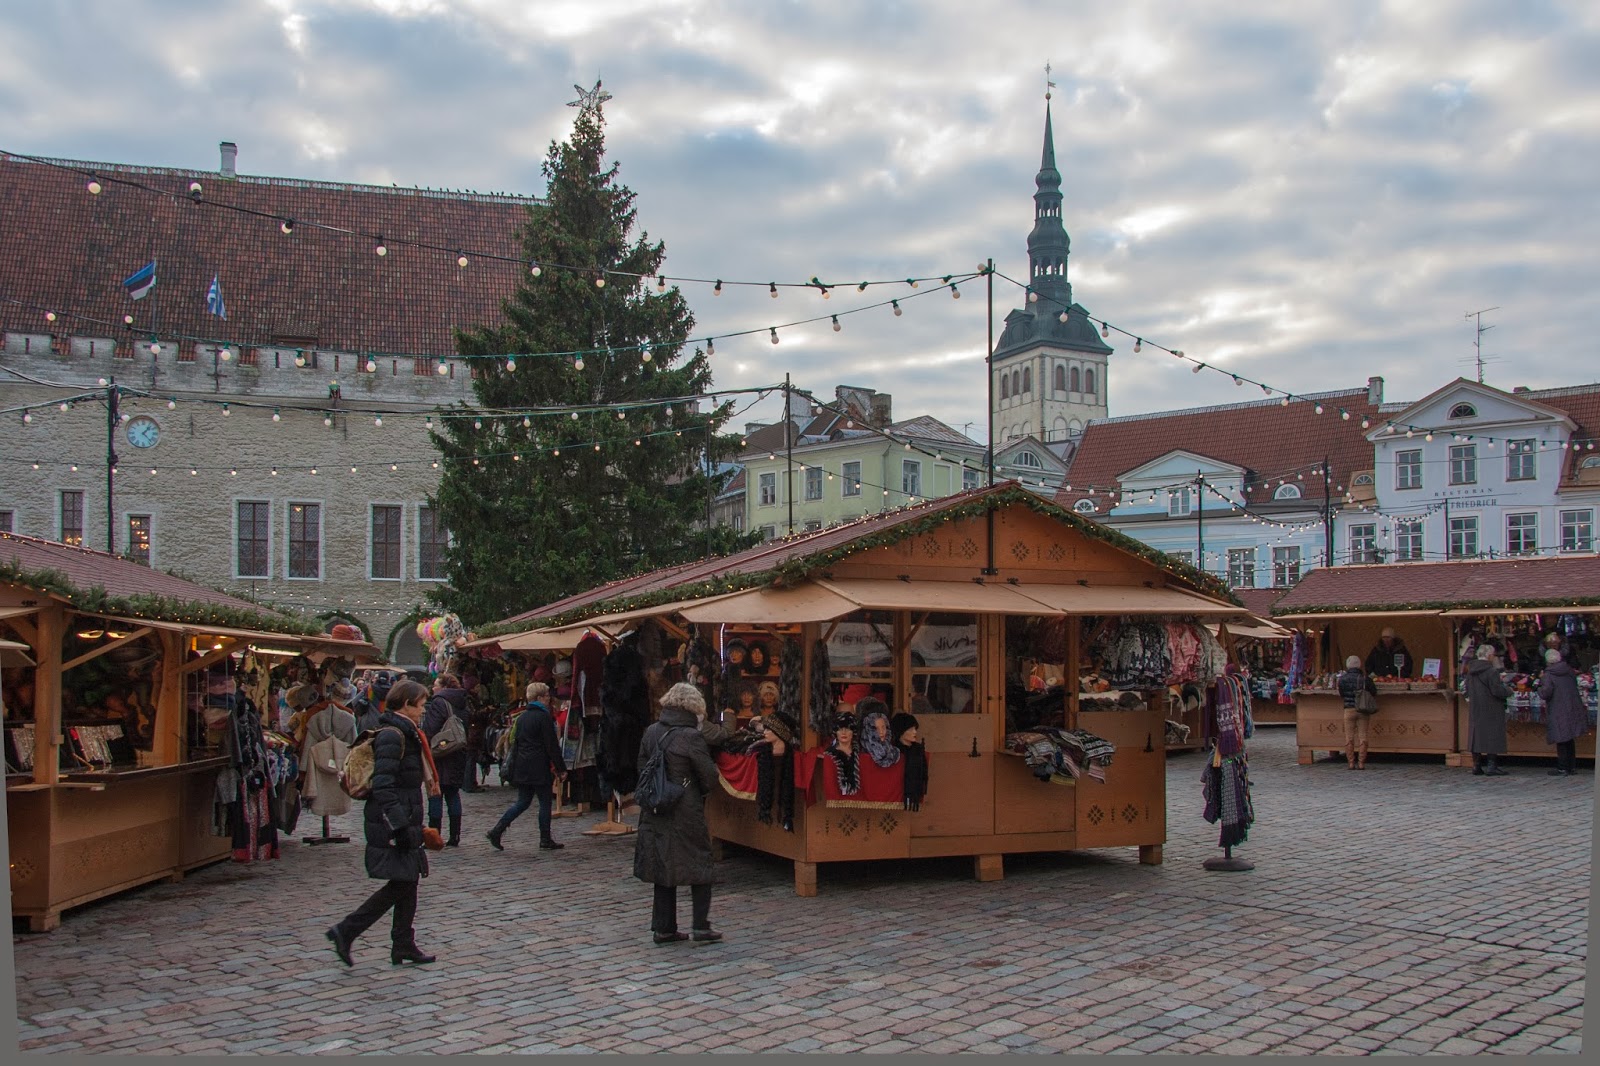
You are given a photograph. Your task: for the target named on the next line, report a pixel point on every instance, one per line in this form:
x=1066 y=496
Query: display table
x=94 y=834
x=1420 y=721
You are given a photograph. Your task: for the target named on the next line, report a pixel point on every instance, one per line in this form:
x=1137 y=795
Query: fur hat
x=1486 y=651
x=684 y=697
x=783 y=726
x=870 y=705
x=1552 y=655
x=901 y=722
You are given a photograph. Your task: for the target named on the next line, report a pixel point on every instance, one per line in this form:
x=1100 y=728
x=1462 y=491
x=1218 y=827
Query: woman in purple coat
x=1566 y=718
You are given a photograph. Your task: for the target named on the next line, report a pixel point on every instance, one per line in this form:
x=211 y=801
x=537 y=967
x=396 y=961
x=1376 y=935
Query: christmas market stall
x=134 y=749
x=979 y=675
x=1416 y=625
x=1273 y=655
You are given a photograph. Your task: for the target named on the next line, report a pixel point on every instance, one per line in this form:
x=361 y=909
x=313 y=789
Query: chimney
x=1374 y=391
x=1520 y=389
x=230 y=156
x=880 y=409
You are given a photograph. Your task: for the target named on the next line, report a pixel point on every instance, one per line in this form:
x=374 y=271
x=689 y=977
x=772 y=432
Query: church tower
x=1050 y=364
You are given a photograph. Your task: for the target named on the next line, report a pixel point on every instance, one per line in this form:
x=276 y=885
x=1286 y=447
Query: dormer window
x=1590 y=462
x=1084 y=507
x=1287 y=492
x=1463 y=410
x=1028 y=459
x=1361 y=479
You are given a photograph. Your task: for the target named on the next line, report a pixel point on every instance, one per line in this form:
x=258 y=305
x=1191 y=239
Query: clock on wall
x=143 y=432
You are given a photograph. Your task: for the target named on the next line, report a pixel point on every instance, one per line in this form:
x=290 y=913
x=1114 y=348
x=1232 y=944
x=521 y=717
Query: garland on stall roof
x=96 y=600
x=795 y=571
x=1545 y=606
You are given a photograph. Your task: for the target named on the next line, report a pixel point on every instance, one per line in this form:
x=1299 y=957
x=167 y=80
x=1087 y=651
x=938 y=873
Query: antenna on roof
x=1477 y=341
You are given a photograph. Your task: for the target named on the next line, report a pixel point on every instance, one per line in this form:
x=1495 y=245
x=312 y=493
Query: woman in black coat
x=393 y=823
x=674 y=849
x=449 y=700
x=534 y=766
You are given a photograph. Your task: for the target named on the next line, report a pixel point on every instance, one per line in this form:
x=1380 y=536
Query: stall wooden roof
x=1535 y=583
x=793 y=558
x=178 y=600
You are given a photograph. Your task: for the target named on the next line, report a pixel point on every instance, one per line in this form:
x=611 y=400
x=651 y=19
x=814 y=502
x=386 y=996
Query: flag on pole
x=141 y=281
x=214 y=302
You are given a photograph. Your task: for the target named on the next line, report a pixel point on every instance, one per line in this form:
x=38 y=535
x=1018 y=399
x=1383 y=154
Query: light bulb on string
x=327 y=420
x=711 y=347
x=93 y=187
x=380 y=248
x=225 y=354
x=836 y=326
x=1197 y=368
x=896 y=305
x=477 y=423
x=378 y=421
x=1105 y=329
x=155 y=349
x=716 y=290
x=1428 y=437
x=600 y=281
x=65 y=407
x=172 y=405
x=645 y=355
x=511 y=364
x=772 y=289
x=1033 y=297
x=862 y=287
x=661 y=283
x=955 y=293
x=526 y=422
x=774 y=332
x=461 y=260
x=533 y=267
x=574 y=416
x=27 y=416
x=226 y=410
x=1138 y=344
x=577 y=364
x=912 y=282
x=1365 y=423
x=276 y=416
x=1284 y=402
x=49 y=316
x=287 y=225
x=1318 y=408
x=127 y=320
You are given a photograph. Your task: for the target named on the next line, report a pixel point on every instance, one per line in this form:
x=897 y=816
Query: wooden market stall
x=969 y=612
x=1264 y=646
x=109 y=782
x=1434 y=608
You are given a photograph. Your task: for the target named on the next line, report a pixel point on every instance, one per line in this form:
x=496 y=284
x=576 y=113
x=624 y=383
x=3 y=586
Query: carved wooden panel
x=1131 y=806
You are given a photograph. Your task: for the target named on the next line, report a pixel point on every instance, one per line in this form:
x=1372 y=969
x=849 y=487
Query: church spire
x=1048 y=244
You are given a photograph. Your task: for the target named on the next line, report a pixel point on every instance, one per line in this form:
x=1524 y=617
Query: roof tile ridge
x=1245 y=405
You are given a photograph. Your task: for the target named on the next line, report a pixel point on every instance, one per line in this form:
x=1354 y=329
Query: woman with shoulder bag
x=1360 y=698
x=393 y=824
x=674 y=848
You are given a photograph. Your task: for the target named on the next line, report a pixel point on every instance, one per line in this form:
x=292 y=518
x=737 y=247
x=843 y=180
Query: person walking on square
x=534 y=766
x=1351 y=683
x=1486 y=715
x=1565 y=717
x=449 y=700
x=674 y=848
x=393 y=824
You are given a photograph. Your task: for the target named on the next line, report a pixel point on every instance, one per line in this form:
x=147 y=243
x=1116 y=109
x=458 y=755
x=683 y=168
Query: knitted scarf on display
x=916 y=760
x=708 y=671
x=880 y=749
x=774 y=787
x=822 y=702
x=848 y=772
x=791 y=663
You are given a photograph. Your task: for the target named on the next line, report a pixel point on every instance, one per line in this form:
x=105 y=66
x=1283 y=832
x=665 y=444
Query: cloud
x=1309 y=194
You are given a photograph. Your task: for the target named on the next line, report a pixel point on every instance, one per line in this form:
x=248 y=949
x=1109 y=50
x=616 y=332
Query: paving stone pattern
x=1411 y=908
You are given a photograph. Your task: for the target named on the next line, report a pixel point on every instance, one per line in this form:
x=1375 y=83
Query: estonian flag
x=141 y=281
x=214 y=302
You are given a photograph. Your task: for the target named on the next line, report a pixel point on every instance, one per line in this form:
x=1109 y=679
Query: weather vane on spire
x=589 y=97
x=1048 y=84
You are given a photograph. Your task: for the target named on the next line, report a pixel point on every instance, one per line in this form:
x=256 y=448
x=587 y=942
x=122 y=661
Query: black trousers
x=664 y=915
x=399 y=895
x=1567 y=755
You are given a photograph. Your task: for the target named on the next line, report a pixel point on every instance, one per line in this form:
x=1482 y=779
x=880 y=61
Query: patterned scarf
x=880 y=749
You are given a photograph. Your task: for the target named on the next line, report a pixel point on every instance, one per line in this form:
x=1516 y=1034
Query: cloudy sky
x=1305 y=193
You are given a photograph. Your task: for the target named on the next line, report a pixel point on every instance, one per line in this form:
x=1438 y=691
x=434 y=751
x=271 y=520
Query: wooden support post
x=805 y=878
x=1150 y=854
x=1306 y=756
x=988 y=867
x=47 y=709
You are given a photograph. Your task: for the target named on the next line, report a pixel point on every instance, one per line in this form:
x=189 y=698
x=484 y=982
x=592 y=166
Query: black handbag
x=656 y=792
x=1366 y=702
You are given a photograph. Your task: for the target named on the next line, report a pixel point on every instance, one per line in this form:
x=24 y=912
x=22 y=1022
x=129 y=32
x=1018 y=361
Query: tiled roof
x=765 y=557
x=1264 y=437
x=64 y=249
x=1259 y=601
x=928 y=428
x=86 y=568
x=1549 y=581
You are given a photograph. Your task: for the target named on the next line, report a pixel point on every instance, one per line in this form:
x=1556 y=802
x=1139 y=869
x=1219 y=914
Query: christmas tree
x=556 y=504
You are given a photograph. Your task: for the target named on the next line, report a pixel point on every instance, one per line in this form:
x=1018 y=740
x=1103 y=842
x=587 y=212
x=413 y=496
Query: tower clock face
x=143 y=432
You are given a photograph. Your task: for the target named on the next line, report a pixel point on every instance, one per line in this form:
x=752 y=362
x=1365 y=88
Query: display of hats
x=900 y=722
x=782 y=726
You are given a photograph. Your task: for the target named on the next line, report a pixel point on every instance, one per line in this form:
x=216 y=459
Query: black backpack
x=656 y=792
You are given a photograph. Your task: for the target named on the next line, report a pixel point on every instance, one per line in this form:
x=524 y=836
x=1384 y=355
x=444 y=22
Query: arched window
x=1025 y=429
x=1361 y=479
x=1005 y=386
x=1463 y=410
x=1075 y=427
x=1077 y=380
x=1590 y=462
x=1016 y=383
x=1061 y=378
x=1028 y=459
x=1287 y=492
x=1060 y=429
x=1027 y=379
x=1084 y=507
x=1088 y=381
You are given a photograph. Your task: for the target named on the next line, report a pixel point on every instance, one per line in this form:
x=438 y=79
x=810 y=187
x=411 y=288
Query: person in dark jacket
x=1566 y=718
x=674 y=848
x=393 y=823
x=1486 y=713
x=449 y=699
x=1351 y=682
x=534 y=767
x=1389 y=657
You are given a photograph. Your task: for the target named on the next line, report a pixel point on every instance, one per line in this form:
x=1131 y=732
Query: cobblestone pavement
x=1410 y=908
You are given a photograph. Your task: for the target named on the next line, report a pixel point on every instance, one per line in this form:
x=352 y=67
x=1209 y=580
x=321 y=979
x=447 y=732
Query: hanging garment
x=250 y=820
x=624 y=715
x=329 y=734
x=1225 y=786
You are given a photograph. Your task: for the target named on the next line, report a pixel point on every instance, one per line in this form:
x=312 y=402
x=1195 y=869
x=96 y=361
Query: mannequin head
x=734 y=655
x=756 y=659
x=747 y=702
x=768 y=691
x=905 y=730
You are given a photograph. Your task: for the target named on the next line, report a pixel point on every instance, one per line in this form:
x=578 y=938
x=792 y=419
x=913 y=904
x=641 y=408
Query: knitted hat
x=870 y=705
x=684 y=697
x=782 y=726
x=1552 y=656
x=900 y=723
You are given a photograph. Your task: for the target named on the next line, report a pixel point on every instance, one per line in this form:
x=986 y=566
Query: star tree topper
x=589 y=97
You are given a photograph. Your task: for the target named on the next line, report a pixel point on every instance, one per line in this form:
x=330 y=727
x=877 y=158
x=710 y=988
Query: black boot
x=550 y=844
x=494 y=838
x=409 y=953
x=1477 y=765
x=341 y=945
x=1493 y=768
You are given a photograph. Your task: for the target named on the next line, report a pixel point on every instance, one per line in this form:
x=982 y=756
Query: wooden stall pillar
x=47 y=696
x=805 y=878
x=169 y=736
x=988 y=867
x=1150 y=854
